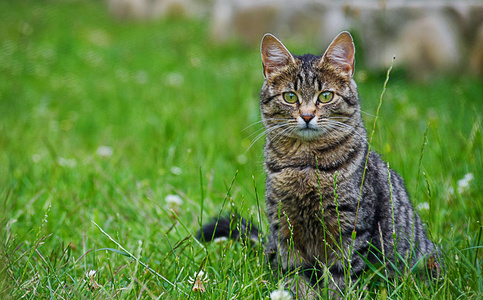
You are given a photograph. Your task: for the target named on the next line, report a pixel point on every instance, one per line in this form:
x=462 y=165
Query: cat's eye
x=290 y=97
x=325 y=97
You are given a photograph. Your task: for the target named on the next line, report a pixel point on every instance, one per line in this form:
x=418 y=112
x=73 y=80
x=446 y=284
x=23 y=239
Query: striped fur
x=317 y=193
x=310 y=228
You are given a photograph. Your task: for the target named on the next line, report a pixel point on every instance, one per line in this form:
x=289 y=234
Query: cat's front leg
x=301 y=287
x=287 y=262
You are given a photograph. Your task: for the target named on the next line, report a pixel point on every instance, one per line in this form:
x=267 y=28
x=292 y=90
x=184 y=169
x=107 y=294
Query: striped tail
x=232 y=227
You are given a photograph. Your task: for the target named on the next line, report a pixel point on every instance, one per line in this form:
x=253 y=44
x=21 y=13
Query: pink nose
x=307 y=118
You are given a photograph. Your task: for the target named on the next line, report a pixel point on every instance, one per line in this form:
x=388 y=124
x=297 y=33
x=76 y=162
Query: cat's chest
x=301 y=193
x=298 y=182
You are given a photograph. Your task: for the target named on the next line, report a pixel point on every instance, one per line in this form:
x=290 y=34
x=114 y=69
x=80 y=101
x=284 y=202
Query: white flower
x=91 y=280
x=242 y=159
x=104 y=151
x=173 y=202
x=67 y=162
x=176 y=170
x=36 y=158
x=141 y=77
x=280 y=294
x=199 y=281
x=175 y=79
x=220 y=240
x=464 y=184
x=423 y=206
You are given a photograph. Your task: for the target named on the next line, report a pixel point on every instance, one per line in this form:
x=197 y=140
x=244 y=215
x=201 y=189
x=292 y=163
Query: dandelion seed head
x=173 y=201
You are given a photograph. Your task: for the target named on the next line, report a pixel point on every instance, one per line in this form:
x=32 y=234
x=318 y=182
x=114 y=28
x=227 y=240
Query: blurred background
x=426 y=37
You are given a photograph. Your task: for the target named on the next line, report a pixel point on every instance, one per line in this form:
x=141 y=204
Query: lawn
x=118 y=139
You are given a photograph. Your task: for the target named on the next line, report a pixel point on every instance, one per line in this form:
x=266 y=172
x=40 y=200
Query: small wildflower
x=195 y=61
x=173 y=202
x=67 y=162
x=242 y=159
x=104 y=151
x=141 y=77
x=175 y=79
x=99 y=38
x=36 y=158
x=176 y=170
x=91 y=278
x=464 y=184
x=199 y=282
x=423 y=206
x=220 y=240
x=280 y=294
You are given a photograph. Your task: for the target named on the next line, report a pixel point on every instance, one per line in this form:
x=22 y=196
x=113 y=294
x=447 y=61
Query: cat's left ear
x=340 y=54
x=274 y=55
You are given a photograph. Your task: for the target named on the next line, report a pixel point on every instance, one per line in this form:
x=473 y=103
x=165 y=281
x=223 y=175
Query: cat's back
x=387 y=200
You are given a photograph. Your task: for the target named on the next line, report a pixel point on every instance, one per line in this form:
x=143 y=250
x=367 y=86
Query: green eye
x=290 y=97
x=325 y=97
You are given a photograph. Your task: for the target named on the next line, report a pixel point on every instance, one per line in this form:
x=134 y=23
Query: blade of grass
x=137 y=260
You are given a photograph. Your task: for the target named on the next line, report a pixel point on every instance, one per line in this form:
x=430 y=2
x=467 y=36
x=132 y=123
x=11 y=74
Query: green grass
x=175 y=107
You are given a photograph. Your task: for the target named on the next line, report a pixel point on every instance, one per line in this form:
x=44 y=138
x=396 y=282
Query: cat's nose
x=307 y=118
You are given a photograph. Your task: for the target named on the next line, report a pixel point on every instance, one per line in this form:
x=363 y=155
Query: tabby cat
x=318 y=195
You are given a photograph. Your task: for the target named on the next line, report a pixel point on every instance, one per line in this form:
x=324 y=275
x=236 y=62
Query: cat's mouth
x=307 y=128
x=309 y=132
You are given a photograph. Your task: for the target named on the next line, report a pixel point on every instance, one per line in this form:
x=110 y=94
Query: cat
x=323 y=185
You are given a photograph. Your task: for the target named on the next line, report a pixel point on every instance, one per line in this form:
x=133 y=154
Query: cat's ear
x=274 y=55
x=340 y=54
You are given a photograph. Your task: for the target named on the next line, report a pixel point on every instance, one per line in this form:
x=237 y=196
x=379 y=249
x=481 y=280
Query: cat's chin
x=308 y=134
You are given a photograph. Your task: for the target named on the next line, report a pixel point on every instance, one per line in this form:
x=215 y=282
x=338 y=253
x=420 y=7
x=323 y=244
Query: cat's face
x=309 y=97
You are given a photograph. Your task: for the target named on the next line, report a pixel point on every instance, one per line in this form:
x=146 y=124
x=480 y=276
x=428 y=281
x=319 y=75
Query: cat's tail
x=231 y=227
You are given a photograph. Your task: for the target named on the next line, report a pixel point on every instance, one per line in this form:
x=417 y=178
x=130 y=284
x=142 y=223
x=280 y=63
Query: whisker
x=251 y=125
x=340 y=125
x=257 y=132
x=283 y=133
x=367 y=113
x=339 y=117
x=264 y=132
x=260 y=121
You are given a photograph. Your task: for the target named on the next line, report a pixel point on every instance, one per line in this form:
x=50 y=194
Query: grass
x=176 y=109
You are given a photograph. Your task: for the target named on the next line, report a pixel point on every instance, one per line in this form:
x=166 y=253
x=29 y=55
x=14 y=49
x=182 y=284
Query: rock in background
x=427 y=37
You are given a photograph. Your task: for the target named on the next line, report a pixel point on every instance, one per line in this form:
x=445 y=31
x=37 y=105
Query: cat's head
x=309 y=97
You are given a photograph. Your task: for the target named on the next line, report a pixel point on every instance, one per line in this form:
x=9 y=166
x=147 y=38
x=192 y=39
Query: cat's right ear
x=340 y=54
x=274 y=55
